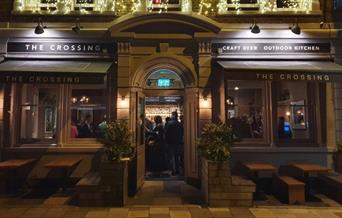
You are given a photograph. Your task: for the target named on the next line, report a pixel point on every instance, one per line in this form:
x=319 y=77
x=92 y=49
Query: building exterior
x=269 y=68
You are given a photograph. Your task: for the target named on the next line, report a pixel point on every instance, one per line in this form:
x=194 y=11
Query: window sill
x=282 y=150
x=53 y=149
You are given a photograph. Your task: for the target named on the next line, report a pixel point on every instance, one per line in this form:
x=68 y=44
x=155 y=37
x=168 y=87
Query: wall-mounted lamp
x=40 y=27
x=204 y=102
x=77 y=28
x=295 y=28
x=254 y=28
x=123 y=102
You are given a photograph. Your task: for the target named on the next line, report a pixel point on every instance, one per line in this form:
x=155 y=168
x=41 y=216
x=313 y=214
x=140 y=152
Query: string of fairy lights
x=212 y=7
x=121 y=7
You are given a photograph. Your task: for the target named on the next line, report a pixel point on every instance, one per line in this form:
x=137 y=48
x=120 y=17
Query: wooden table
x=65 y=165
x=11 y=167
x=15 y=164
x=255 y=169
x=306 y=169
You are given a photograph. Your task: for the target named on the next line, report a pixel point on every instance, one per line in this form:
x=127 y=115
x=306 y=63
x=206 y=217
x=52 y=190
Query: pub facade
x=276 y=87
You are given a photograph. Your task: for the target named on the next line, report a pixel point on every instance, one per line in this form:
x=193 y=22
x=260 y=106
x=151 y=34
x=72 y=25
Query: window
x=267 y=6
x=245 y=109
x=88 y=113
x=64 y=6
x=164 y=79
x=292 y=101
x=39 y=115
x=163 y=5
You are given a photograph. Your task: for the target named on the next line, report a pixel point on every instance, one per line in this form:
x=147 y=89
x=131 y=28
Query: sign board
x=55 y=47
x=163 y=82
x=52 y=78
x=164 y=100
x=270 y=48
x=281 y=76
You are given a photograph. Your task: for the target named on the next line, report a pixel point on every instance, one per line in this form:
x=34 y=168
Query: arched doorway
x=172 y=41
x=160 y=86
x=164 y=93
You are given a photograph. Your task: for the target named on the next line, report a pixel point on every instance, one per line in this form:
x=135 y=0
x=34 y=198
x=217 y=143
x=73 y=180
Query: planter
x=215 y=179
x=114 y=178
x=338 y=162
x=221 y=189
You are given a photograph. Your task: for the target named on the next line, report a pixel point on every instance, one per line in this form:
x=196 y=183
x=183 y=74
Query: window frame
x=312 y=117
x=255 y=142
x=19 y=117
x=315 y=9
x=37 y=9
x=71 y=142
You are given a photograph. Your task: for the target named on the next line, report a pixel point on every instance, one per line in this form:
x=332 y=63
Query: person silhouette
x=284 y=129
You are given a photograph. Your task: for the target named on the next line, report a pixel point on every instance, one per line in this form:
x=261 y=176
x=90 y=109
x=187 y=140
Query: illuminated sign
x=270 y=48
x=163 y=82
x=164 y=100
x=61 y=47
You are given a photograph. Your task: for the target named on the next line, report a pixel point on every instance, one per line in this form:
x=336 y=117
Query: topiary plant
x=215 y=142
x=117 y=141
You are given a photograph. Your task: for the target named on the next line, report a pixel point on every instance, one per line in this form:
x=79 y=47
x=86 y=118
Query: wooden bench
x=331 y=185
x=89 y=191
x=290 y=189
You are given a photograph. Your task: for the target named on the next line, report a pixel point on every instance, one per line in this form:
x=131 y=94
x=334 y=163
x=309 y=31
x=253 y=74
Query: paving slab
x=138 y=212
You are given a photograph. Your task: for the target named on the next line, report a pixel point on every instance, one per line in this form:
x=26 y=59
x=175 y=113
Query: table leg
x=308 y=195
x=259 y=195
x=64 y=179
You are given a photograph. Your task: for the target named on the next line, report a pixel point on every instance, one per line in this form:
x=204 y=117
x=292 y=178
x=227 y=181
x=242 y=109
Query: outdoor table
x=255 y=169
x=306 y=169
x=11 y=167
x=15 y=164
x=65 y=165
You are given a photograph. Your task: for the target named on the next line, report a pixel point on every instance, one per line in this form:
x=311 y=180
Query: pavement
x=159 y=199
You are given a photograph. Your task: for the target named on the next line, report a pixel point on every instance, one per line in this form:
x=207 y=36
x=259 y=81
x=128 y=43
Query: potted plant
x=113 y=170
x=214 y=147
x=337 y=156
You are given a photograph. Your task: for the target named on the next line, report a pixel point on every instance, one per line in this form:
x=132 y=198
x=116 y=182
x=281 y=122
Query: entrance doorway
x=164 y=127
x=163 y=85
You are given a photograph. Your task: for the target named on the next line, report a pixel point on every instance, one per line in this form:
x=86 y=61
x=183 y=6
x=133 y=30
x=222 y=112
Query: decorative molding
x=124 y=47
x=204 y=47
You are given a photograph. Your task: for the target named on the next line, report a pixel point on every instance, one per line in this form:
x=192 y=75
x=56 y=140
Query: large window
x=64 y=6
x=163 y=5
x=39 y=114
x=284 y=113
x=269 y=6
x=88 y=113
x=245 y=109
x=292 y=101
